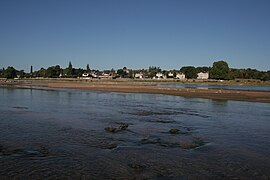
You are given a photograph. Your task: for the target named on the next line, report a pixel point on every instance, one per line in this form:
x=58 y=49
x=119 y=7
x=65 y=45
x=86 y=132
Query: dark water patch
x=110 y=145
x=7 y=151
x=158 y=120
x=186 y=143
x=20 y=107
x=150 y=113
x=168 y=113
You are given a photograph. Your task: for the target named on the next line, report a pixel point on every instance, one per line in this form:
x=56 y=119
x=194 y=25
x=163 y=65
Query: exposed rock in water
x=136 y=166
x=174 y=131
x=110 y=146
x=111 y=129
x=192 y=145
x=122 y=126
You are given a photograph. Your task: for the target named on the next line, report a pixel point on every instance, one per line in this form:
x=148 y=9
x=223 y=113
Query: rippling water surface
x=72 y=133
x=212 y=86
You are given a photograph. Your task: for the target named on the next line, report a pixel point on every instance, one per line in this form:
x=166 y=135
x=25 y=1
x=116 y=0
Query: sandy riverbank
x=127 y=87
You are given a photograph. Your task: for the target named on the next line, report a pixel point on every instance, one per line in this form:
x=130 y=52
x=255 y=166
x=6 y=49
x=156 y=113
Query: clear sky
x=134 y=33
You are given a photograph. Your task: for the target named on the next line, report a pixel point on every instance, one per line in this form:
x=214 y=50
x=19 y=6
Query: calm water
x=61 y=133
x=211 y=86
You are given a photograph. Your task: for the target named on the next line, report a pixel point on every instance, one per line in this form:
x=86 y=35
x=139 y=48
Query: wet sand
x=127 y=87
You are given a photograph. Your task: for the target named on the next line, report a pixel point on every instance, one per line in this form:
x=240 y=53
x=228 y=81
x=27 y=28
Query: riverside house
x=203 y=75
x=181 y=76
x=159 y=76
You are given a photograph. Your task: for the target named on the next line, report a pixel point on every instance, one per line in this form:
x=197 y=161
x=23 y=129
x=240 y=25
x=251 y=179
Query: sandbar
x=127 y=87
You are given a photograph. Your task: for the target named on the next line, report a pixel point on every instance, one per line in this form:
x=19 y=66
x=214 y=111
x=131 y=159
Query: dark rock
x=136 y=166
x=196 y=143
x=122 y=126
x=174 y=131
x=111 y=129
x=111 y=146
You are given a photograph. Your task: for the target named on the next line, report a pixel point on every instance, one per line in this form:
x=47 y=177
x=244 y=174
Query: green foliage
x=87 y=68
x=189 y=71
x=53 y=72
x=10 y=72
x=69 y=65
x=121 y=73
x=220 y=70
x=152 y=71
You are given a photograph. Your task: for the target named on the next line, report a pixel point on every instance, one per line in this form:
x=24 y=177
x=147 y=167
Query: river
x=213 y=86
x=61 y=133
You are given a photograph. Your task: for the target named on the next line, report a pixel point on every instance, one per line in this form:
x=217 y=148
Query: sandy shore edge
x=216 y=94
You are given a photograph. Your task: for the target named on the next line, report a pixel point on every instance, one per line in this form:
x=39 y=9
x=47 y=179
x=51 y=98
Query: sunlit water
x=61 y=133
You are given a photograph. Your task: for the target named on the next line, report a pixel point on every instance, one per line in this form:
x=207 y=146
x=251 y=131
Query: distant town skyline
x=136 y=34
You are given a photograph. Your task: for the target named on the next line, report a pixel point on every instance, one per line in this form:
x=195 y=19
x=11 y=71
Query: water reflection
x=72 y=133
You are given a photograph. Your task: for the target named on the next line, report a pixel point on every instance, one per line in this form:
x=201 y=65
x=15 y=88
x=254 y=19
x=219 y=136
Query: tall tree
x=87 y=67
x=69 y=65
x=31 y=70
x=10 y=72
x=220 y=70
x=70 y=70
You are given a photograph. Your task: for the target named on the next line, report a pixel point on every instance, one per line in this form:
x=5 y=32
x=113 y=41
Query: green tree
x=10 y=72
x=220 y=70
x=69 y=65
x=70 y=70
x=152 y=71
x=189 y=71
x=121 y=73
x=50 y=72
x=87 y=68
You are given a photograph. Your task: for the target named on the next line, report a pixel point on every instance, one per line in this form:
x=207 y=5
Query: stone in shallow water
x=136 y=166
x=192 y=145
x=110 y=146
x=122 y=126
x=174 y=131
x=110 y=129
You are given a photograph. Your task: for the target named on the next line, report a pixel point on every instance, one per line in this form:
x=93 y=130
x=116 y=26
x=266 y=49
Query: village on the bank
x=219 y=71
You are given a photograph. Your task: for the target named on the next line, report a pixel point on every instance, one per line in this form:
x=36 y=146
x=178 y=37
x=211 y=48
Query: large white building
x=203 y=75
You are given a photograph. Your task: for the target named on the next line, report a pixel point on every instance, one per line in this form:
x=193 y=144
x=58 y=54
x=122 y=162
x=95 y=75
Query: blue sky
x=134 y=33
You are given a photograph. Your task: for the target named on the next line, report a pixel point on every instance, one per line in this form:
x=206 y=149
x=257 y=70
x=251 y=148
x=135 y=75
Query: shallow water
x=61 y=133
x=212 y=86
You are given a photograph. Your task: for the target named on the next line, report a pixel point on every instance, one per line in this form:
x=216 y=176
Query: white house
x=105 y=75
x=159 y=76
x=181 y=76
x=203 y=75
x=138 y=75
x=170 y=75
x=85 y=75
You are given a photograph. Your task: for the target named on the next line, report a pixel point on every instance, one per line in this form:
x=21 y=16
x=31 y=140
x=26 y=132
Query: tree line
x=219 y=70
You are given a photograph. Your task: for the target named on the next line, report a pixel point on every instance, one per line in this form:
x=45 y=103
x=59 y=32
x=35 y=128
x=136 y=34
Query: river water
x=60 y=133
x=212 y=86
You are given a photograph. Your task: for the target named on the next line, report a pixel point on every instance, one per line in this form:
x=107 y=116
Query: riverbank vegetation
x=220 y=70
